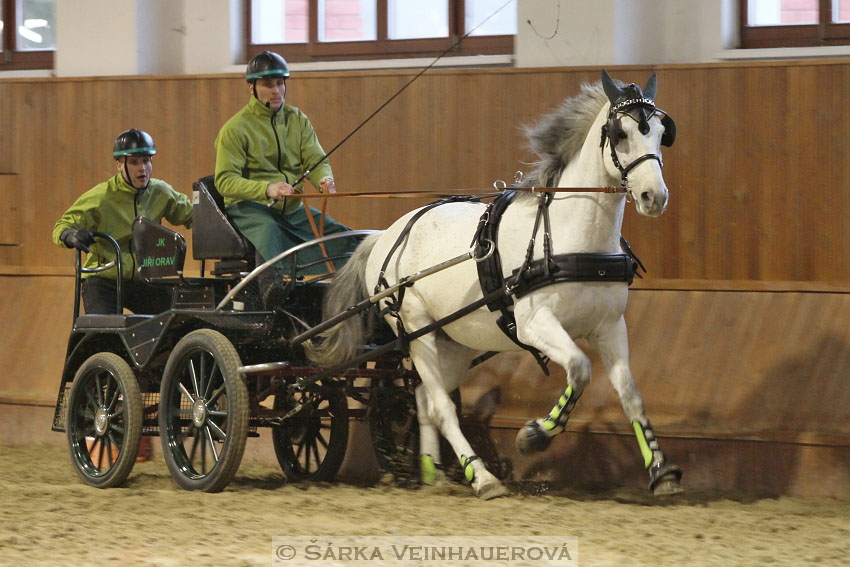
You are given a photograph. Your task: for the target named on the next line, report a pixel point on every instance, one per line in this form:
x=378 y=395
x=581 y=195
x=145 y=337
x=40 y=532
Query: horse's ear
x=611 y=89
x=651 y=87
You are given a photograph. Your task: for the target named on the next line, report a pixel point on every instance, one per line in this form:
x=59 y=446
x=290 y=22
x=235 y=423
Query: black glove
x=77 y=238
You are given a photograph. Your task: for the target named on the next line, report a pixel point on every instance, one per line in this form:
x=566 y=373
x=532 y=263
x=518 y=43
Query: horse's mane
x=559 y=135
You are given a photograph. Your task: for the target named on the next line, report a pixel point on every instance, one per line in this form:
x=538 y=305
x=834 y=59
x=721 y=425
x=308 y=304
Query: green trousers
x=272 y=232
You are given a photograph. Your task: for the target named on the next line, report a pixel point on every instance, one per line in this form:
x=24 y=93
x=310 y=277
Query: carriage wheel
x=203 y=411
x=395 y=433
x=104 y=420
x=311 y=444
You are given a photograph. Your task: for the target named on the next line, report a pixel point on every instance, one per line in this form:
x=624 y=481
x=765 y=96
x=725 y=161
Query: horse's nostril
x=645 y=197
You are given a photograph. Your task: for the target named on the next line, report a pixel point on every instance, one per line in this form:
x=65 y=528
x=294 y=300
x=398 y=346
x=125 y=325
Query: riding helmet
x=266 y=64
x=133 y=142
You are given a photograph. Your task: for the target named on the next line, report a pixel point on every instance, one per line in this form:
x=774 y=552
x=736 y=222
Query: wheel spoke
x=117 y=413
x=106 y=389
x=194 y=375
x=114 y=400
x=307 y=452
x=211 y=425
x=321 y=439
x=202 y=378
x=100 y=451
x=216 y=395
x=195 y=440
x=108 y=442
x=217 y=413
x=85 y=414
x=315 y=447
x=116 y=428
x=185 y=392
x=115 y=442
x=212 y=443
x=212 y=373
x=91 y=398
x=99 y=389
x=183 y=434
x=203 y=452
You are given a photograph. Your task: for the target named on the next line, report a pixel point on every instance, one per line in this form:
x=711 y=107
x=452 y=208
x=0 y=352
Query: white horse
x=549 y=319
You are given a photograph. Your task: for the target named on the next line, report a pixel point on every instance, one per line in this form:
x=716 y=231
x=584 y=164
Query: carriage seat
x=213 y=235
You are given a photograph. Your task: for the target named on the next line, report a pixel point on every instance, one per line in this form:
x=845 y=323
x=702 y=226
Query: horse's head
x=635 y=130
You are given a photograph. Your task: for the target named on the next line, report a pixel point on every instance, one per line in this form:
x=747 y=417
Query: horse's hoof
x=532 y=439
x=668 y=486
x=492 y=490
x=664 y=479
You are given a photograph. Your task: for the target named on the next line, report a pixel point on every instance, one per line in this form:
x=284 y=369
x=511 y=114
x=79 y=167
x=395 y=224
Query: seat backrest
x=213 y=236
x=160 y=252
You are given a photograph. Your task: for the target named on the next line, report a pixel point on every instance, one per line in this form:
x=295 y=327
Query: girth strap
x=535 y=274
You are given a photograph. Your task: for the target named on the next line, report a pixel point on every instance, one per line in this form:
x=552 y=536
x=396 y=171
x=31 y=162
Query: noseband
x=640 y=110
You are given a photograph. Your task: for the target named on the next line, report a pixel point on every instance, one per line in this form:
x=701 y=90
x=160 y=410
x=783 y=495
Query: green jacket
x=257 y=146
x=111 y=207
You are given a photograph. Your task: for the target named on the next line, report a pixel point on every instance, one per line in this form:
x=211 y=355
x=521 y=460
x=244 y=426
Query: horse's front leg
x=441 y=365
x=613 y=346
x=542 y=330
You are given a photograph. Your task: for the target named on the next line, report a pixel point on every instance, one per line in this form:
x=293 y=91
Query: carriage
x=198 y=375
x=201 y=374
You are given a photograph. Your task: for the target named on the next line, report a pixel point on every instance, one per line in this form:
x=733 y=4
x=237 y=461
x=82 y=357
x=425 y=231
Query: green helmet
x=266 y=64
x=133 y=143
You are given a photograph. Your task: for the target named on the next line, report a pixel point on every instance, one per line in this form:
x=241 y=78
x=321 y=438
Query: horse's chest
x=582 y=309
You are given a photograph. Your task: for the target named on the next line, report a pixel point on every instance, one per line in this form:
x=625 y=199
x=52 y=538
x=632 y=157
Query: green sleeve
x=82 y=214
x=312 y=152
x=179 y=211
x=230 y=158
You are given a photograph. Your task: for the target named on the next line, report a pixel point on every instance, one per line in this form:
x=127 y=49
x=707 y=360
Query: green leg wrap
x=646 y=441
x=466 y=464
x=561 y=412
x=428 y=470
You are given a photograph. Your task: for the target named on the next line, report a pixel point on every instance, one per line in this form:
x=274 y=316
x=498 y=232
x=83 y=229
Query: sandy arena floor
x=48 y=517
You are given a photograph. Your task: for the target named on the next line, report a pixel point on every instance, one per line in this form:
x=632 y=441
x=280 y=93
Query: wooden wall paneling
x=33 y=352
x=745 y=132
x=743 y=365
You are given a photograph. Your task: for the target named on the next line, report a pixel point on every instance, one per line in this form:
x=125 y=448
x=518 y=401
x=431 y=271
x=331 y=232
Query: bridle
x=611 y=131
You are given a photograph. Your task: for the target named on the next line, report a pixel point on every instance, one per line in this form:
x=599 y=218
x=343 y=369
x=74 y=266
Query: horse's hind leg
x=614 y=349
x=543 y=331
x=429 y=439
x=441 y=365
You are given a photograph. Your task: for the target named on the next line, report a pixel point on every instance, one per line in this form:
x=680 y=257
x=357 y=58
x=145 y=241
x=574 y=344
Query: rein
x=483 y=193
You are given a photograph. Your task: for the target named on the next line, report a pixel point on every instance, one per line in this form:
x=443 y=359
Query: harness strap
x=406 y=232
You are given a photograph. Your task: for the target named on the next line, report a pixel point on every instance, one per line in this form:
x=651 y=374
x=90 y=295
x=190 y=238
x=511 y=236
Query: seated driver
x=110 y=207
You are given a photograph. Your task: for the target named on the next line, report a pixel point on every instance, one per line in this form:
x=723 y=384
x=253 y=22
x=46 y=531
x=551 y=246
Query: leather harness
x=530 y=276
x=536 y=274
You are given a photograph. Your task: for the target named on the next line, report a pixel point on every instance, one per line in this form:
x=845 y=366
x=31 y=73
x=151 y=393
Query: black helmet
x=266 y=64
x=133 y=143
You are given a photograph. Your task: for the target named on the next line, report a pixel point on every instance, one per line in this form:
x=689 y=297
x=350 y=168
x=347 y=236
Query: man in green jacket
x=261 y=151
x=110 y=207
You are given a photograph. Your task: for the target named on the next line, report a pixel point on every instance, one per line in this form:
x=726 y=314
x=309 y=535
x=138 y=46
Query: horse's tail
x=340 y=342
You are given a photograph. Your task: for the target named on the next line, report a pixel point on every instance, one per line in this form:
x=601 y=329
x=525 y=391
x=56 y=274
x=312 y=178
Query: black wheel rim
x=306 y=436
x=98 y=423
x=198 y=410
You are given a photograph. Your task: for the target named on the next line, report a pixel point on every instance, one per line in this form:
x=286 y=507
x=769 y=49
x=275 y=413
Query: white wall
x=132 y=37
x=96 y=37
x=147 y=37
x=623 y=32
